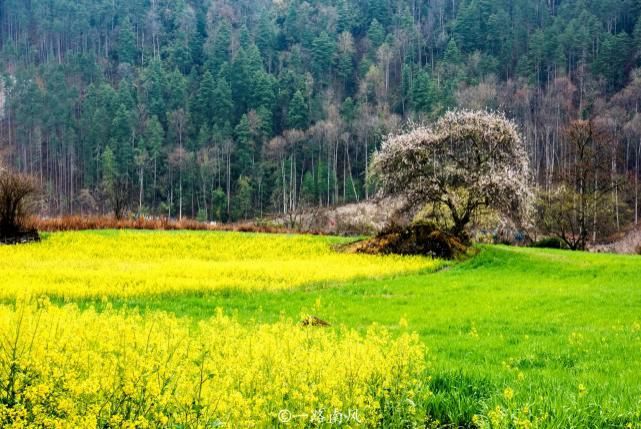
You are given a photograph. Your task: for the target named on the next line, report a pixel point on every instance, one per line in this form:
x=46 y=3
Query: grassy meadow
x=201 y=329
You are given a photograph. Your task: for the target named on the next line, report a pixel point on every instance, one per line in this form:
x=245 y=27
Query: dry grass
x=81 y=223
x=627 y=243
x=355 y=219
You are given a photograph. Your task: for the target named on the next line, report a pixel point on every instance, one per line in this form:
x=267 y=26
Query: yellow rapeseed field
x=123 y=264
x=65 y=368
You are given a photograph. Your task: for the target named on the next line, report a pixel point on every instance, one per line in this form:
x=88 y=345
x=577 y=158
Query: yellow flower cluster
x=65 y=368
x=134 y=263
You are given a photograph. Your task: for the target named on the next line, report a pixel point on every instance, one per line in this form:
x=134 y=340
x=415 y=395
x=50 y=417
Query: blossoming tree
x=469 y=160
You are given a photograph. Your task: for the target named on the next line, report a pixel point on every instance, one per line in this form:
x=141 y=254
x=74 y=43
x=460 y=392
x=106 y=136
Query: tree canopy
x=466 y=162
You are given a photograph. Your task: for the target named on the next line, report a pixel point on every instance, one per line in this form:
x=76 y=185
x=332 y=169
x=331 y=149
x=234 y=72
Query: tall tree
x=297 y=116
x=126 y=43
x=322 y=50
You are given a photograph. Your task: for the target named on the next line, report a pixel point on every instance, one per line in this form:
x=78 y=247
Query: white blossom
x=468 y=160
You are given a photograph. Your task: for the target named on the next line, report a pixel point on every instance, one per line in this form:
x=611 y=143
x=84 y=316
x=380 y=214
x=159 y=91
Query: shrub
x=16 y=192
x=550 y=243
x=415 y=239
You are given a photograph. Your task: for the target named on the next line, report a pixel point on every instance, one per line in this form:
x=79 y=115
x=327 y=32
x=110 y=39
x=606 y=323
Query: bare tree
x=385 y=56
x=119 y=196
x=16 y=192
x=577 y=207
x=466 y=162
x=178 y=120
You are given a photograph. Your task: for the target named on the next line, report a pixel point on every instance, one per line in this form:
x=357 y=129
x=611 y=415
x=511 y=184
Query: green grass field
x=562 y=330
x=517 y=337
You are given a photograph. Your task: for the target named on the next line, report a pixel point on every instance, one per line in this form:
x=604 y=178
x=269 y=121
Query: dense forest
x=233 y=109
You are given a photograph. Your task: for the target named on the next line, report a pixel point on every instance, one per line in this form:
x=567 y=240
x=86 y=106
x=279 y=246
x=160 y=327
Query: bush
x=16 y=192
x=415 y=239
x=550 y=243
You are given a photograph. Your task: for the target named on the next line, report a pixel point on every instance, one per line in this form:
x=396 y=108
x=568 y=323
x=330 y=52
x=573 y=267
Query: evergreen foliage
x=103 y=82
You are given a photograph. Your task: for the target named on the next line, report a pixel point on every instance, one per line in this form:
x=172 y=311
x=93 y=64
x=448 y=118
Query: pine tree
x=205 y=101
x=265 y=37
x=406 y=86
x=348 y=111
x=613 y=57
x=223 y=110
x=346 y=17
x=291 y=26
x=241 y=83
x=154 y=136
x=243 y=37
x=323 y=48
x=297 y=114
x=262 y=91
x=197 y=39
x=452 y=53
x=176 y=91
x=122 y=140
x=376 y=34
x=155 y=83
x=423 y=92
x=180 y=57
x=244 y=154
x=345 y=61
x=244 y=198
x=126 y=94
x=378 y=10
x=108 y=166
x=221 y=48
x=452 y=67
x=468 y=27
x=218 y=204
x=126 y=43
x=636 y=37
x=266 y=122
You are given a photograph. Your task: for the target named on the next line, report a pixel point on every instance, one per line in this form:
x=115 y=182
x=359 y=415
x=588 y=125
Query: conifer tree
x=297 y=116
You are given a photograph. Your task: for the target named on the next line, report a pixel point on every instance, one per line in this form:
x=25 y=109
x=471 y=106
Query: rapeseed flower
x=65 y=368
x=120 y=264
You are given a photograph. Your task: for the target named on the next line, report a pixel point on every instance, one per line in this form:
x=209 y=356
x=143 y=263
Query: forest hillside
x=227 y=110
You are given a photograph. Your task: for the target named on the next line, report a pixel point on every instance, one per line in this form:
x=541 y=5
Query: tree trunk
x=636 y=187
x=141 y=176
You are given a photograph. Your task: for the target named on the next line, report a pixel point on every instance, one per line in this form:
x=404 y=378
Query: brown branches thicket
x=577 y=209
x=16 y=192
